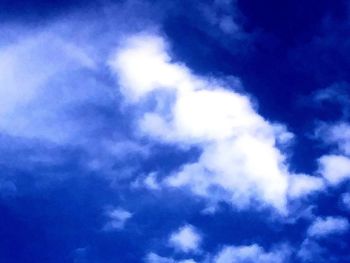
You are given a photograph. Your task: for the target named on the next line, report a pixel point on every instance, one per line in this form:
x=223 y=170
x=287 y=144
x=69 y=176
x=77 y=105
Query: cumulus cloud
x=301 y=184
x=240 y=159
x=340 y=135
x=252 y=253
x=322 y=227
x=185 y=239
x=234 y=254
x=334 y=168
x=311 y=249
x=117 y=219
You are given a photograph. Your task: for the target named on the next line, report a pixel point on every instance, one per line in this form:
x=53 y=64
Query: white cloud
x=37 y=85
x=323 y=227
x=337 y=134
x=250 y=254
x=185 y=239
x=150 y=182
x=239 y=153
x=340 y=135
x=346 y=200
x=337 y=93
x=143 y=57
x=154 y=258
x=301 y=184
x=334 y=168
x=117 y=218
x=311 y=251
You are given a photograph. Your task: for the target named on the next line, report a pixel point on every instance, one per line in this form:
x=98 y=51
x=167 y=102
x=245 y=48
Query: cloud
x=334 y=168
x=240 y=158
x=323 y=227
x=337 y=134
x=345 y=198
x=149 y=182
x=36 y=85
x=185 y=239
x=340 y=135
x=311 y=251
x=301 y=184
x=154 y=258
x=117 y=219
x=338 y=94
x=234 y=254
x=252 y=253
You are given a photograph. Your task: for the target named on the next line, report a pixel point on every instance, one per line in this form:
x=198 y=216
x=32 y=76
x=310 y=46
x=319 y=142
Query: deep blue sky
x=71 y=152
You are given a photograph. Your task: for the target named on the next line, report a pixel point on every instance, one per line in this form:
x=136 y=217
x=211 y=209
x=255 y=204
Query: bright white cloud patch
x=323 y=227
x=301 y=184
x=240 y=160
x=185 y=239
x=335 y=168
x=250 y=254
x=117 y=218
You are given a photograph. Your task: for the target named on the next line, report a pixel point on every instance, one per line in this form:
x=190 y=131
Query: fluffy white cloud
x=143 y=57
x=250 y=254
x=185 y=239
x=311 y=249
x=301 y=184
x=334 y=168
x=323 y=227
x=117 y=218
x=240 y=160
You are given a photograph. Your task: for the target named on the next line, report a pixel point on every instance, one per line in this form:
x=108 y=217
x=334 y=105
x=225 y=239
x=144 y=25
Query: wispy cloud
x=252 y=253
x=322 y=227
x=117 y=218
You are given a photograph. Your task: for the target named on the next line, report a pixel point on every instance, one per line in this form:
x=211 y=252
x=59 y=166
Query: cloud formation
x=240 y=160
x=173 y=138
x=323 y=227
x=185 y=239
x=117 y=219
x=154 y=258
x=251 y=253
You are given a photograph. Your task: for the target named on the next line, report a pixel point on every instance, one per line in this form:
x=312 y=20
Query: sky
x=174 y=131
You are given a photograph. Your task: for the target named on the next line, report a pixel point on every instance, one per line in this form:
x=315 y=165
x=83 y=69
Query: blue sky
x=174 y=131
